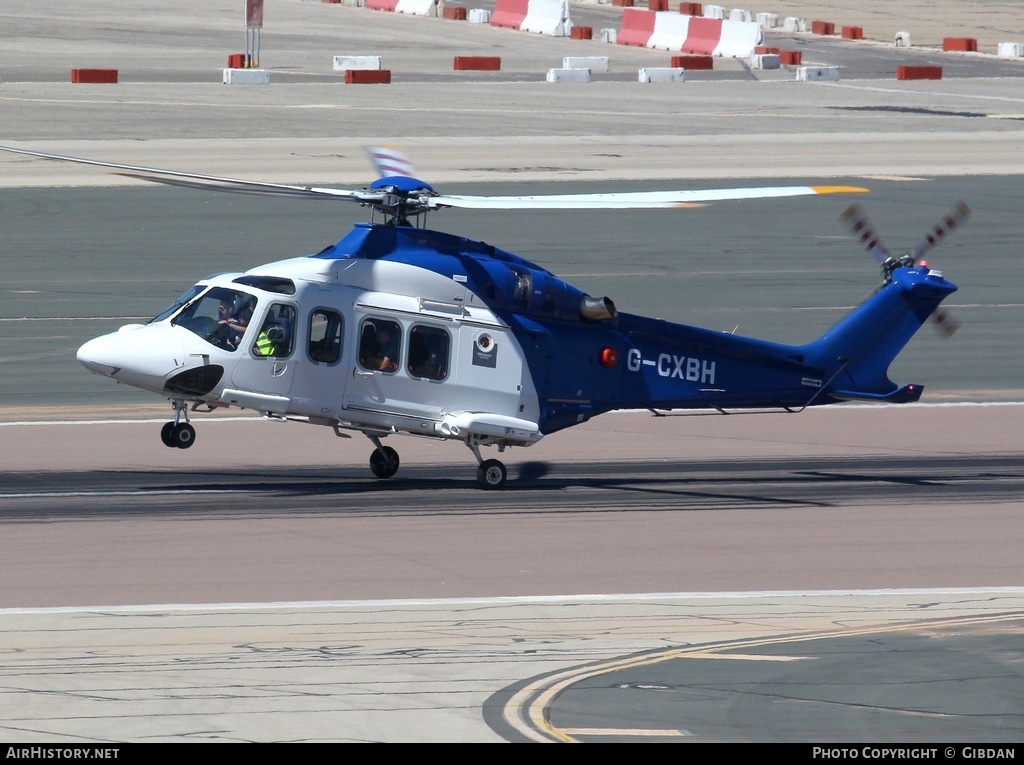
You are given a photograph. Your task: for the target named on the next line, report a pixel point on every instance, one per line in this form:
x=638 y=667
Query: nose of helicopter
x=136 y=354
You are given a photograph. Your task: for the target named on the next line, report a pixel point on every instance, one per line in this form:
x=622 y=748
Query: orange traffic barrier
x=960 y=44
x=486 y=63
x=581 y=33
x=919 y=73
x=368 y=76
x=455 y=12
x=853 y=33
x=823 y=27
x=94 y=75
x=693 y=62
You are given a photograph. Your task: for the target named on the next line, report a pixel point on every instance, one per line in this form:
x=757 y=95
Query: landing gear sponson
x=490 y=474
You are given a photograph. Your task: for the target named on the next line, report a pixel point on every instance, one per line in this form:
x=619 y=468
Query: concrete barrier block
x=344 y=63
x=815 y=73
x=367 y=76
x=661 y=74
x=738 y=14
x=765 y=61
x=919 y=73
x=610 y=36
x=902 y=39
x=1010 y=49
x=693 y=61
x=246 y=77
x=483 y=63
x=479 y=16
x=768 y=20
x=568 y=75
x=714 y=12
x=593 y=63
x=794 y=24
x=94 y=76
x=964 y=44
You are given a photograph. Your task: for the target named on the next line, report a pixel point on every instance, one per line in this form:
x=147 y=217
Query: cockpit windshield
x=173 y=308
x=221 y=317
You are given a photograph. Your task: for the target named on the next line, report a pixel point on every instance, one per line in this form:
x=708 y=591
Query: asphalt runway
x=262 y=586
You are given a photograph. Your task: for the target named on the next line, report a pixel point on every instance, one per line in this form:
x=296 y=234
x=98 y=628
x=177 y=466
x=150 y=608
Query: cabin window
x=325 y=333
x=428 y=352
x=220 y=317
x=277 y=334
x=380 y=343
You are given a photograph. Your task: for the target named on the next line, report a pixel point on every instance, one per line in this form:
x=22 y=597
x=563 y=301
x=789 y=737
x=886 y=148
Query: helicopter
x=400 y=329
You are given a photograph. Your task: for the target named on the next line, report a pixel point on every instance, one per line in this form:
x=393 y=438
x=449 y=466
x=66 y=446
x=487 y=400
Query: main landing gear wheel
x=384 y=462
x=180 y=436
x=491 y=474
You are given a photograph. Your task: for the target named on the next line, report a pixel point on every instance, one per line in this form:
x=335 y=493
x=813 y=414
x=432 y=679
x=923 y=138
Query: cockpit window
x=221 y=317
x=173 y=308
x=277 y=334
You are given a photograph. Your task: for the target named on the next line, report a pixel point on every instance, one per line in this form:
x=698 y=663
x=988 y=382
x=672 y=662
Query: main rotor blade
x=214 y=182
x=632 y=200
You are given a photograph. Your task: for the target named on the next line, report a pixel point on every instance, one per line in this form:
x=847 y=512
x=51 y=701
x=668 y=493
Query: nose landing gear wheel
x=491 y=474
x=165 y=434
x=384 y=462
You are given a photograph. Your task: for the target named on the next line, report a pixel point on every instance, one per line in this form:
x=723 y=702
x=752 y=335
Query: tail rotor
x=859 y=225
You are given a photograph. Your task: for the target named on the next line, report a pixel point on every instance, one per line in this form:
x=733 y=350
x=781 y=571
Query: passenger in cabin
x=379 y=345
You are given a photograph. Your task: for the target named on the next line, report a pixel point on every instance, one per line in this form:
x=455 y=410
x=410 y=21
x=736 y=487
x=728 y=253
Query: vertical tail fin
x=856 y=352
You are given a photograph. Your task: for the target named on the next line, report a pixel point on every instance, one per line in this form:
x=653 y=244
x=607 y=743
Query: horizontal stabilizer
x=908 y=394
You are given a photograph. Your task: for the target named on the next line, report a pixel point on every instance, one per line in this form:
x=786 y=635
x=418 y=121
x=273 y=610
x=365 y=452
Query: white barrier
x=739 y=39
x=1010 y=49
x=794 y=24
x=768 y=20
x=610 y=36
x=478 y=16
x=903 y=39
x=568 y=75
x=812 y=73
x=765 y=61
x=593 y=63
x=740 y=15
x=714 y=11
x=548 y=17
x=344 y=63
x=246 y=77
x=670 y=31
x=662 y=74
x=417 y=7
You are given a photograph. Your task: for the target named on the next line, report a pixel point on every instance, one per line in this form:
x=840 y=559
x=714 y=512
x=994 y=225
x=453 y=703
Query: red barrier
x=703 y=35
x=382 y=5
x=368 y=76
x=486 y=63
x=823 y=28
x=581 y=33
x=455 y=12
x=691 y=9
x=919 y=73
x=509 y=13
x=790 y=57
x=236 y=61
x=693 y=62
x=960 y=44
x=637 y=27
x=623 y=3
x=94 y=76
x=853 y=33
x=657 y=5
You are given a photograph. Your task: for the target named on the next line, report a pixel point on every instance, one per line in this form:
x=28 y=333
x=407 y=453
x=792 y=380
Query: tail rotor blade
x=949 y=223
x=858 y=223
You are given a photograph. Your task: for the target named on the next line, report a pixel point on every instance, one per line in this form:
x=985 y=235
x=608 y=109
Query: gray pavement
x=423 y=671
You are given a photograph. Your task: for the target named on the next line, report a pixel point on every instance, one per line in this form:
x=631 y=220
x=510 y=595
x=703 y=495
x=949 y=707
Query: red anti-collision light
x=609 y=357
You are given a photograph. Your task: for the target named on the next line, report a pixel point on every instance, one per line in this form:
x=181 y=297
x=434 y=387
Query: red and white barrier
x=689 y=34
x=548 y=17
x=414 y=7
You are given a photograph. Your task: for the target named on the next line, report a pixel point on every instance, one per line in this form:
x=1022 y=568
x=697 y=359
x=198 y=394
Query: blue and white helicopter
x=397 y=328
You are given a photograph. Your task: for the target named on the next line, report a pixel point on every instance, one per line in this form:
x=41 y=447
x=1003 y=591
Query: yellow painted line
x=839 y=190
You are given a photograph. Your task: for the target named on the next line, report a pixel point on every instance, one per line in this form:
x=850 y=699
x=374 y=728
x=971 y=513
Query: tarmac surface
x=276 y=592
